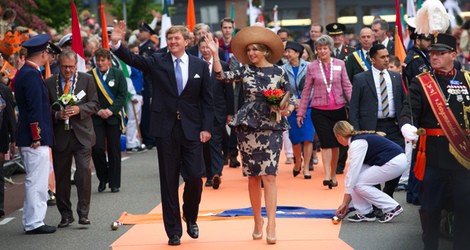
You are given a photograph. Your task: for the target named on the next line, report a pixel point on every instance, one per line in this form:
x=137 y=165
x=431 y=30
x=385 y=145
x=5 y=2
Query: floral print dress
x=259 y=137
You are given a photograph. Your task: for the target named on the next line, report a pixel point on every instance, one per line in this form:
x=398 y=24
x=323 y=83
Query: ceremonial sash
x=109 y=96
x=459 y=144
x=361 y=62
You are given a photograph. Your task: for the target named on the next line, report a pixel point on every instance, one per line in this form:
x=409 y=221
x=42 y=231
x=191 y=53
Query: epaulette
x=416 y=56
x=424 y=73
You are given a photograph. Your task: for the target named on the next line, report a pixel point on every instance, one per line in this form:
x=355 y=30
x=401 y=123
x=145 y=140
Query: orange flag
x=104 y=28
x=190 y=16
x=399 y=48
x=8 y=69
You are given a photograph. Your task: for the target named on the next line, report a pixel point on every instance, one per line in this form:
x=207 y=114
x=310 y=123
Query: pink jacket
x=314 y=80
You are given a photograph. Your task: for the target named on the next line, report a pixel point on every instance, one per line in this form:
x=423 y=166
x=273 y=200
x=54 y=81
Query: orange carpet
x=235 y=233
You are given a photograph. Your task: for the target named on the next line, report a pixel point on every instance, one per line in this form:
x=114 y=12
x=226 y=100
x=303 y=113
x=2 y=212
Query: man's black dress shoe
x=114 y=190
x=208 y=183
x=216 y=181
x=65 y=222
x=2 y=213
x=101 y=186
x=192 y=229
x=44 y=229
x=174 y=240
x=84 y=221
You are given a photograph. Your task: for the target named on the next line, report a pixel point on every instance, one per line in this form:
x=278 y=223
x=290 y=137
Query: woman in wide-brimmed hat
x=259 y=135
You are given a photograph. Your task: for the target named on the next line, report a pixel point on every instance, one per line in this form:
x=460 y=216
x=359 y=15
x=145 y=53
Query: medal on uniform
x=459 y=98
x=111 y=83
x=454 y=82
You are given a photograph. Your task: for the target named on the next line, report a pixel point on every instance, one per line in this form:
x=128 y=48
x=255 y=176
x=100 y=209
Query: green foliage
x=56 y=13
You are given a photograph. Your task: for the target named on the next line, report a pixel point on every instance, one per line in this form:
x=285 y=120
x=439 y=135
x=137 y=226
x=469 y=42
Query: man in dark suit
x=146 y=48
x=359 y=60
x=75 y=142
x=340 y=51
x=380 y=29
x=376 y=101
x=222 y=93
x=34 y=135
x=316 y=30
x=201 y=30
x=109 y=121
x=183 y=117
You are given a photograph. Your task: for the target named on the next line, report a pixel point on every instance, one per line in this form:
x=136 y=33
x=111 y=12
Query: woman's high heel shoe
x=257 y=236
x=328 y=183
x=307 y=176
x=271 y=240
x=295 y=172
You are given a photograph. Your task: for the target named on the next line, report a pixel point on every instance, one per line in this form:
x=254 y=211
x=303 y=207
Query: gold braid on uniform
x=363 y=132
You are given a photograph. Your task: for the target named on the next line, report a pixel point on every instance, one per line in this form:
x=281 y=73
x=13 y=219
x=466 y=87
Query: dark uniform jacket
x=117 y=84
x=437 y=147
x=344 y=53
x=416 y=62
x=32 y=98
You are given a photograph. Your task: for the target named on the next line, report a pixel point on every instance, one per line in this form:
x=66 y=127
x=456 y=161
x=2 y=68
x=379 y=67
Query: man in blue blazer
x=181 y=120
x=366 y=107
x=34 y=134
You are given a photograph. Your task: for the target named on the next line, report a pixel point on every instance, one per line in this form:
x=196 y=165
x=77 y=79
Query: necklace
x=73 y=85
x=328 y=86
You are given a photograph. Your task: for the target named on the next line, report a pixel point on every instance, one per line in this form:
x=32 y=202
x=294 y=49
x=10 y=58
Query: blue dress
x=296 y=77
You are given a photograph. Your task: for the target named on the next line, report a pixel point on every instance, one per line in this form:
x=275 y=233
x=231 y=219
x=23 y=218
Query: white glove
x=409 y=132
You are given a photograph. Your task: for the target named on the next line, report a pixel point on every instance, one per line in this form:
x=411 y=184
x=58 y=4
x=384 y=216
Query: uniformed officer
x=336 y=31
x=440 y=104
x=341 y=51
x=417 y=57
x=35 y=135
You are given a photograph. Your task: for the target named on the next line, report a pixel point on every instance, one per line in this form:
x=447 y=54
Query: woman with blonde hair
x=259 y=136
x=373 y=159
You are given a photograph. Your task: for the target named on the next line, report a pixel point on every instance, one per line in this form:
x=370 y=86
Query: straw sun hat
x=257 y=35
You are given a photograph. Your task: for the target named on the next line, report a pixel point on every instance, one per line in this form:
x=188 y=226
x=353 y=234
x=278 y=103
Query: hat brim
x=440 y=47
x=257 y=35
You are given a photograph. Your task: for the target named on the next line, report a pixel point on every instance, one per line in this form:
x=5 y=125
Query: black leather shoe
x=84 y=221
x=174 y=240
x=2 y=213
x=44 y=229
x=216 y=181
x=234 y=162
x=192 y=229
x=101 y=186
x=65 y=222
x=295 y=172
x=114 y=190
x=208 y=183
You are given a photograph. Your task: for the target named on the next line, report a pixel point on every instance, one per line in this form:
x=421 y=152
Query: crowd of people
x=205 y=98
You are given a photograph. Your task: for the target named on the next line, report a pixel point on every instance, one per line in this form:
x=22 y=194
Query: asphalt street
x=140 y=194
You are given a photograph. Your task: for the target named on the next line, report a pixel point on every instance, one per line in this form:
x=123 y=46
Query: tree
x=25 y=15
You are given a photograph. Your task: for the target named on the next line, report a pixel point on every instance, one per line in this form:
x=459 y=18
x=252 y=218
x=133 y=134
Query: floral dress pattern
x=259 y=137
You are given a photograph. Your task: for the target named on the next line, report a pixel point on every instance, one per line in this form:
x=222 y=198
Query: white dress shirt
x=184 y=64
x=391 y=102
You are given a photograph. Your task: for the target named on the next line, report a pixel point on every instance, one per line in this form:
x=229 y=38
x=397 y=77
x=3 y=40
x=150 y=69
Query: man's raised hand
x=119 y=31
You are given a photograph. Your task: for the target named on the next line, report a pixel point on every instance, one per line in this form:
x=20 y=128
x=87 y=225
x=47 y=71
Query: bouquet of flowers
x=64 y=101
x=274 y=97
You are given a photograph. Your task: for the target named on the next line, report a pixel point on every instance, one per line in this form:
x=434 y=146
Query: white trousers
x=37 y=163
x=132 y=139
x=287 y=144
x=364 y=194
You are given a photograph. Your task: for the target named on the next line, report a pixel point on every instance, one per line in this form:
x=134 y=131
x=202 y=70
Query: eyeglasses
x=67 y=66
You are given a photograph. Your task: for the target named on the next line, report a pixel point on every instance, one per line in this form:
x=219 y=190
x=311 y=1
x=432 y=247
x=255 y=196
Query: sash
x=360 y=61
x=109 y=96
x=459 y=144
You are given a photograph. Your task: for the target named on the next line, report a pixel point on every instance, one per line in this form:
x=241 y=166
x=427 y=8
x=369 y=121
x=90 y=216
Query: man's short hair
x=383 y=24
x=375 y=48
x=318 y=25
x=281 y=30
x=226 y=20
